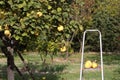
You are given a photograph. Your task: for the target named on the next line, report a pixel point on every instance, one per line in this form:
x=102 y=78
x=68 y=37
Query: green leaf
x=2 y=2
x=72 y=22
x=22 y=4
x=1 y=43
x=65 y=14
x=24 y=34
x=32 y=32
x=67 y=35
x=17 y=37
x=10 y=2
x=59 y=9
x=62 y=0
x=54 y=11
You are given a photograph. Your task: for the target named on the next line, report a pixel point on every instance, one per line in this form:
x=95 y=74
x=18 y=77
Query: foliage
x=35 y=22
x=105 y=17
x=28 y=19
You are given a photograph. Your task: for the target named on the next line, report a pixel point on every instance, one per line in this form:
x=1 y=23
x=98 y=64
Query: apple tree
x=20 y=22
x=59 y=27
x=46 y=24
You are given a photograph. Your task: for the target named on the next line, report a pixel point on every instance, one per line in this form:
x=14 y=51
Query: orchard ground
x=61 y=68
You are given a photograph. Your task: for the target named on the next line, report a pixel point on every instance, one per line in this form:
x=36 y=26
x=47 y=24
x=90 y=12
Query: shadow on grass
x=47 y=71
x=3 y=72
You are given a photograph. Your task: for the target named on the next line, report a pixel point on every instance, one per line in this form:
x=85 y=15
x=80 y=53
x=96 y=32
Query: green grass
x=62 y=69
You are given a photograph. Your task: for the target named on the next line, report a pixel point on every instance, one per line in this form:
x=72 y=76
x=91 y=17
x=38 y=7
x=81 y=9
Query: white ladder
x=82 y=55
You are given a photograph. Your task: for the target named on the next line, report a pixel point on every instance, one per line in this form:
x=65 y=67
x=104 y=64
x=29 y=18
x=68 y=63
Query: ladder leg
x=82 y=56
x=100 y=37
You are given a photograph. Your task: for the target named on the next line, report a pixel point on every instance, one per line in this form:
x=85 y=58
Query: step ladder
x=82 y=55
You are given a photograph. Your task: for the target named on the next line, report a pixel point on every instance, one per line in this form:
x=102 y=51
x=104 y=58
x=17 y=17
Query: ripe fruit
x=94 y=65
x=60 y=28
x=39 y=14
x=88 y=64
x=63 y=49
x=7 y=33
x=81 y=28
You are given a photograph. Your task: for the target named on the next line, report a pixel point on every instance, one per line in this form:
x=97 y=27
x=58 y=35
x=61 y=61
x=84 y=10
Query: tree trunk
x=10 y=73
x=10 y=64
x=8 y=49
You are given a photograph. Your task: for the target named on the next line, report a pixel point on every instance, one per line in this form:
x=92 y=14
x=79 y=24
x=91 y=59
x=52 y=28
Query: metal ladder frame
x=82 y=55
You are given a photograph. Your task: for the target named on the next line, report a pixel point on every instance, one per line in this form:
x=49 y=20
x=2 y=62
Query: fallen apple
x=94 y=65
x=88 y=64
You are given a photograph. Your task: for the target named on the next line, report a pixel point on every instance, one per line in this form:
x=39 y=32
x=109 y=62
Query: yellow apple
x=60 y=28
x=81 y=28
x=7 y=33
x=39 y=14
x=94 y=65
x=88 y=64
x=63 y=49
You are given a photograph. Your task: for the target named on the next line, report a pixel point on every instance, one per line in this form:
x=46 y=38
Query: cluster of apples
x=61 y=28
x=90 y=64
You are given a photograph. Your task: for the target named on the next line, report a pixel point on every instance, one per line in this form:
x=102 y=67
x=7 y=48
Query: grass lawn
x=62 y=69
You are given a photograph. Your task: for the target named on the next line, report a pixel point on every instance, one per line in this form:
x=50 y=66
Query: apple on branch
x=60 y=28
